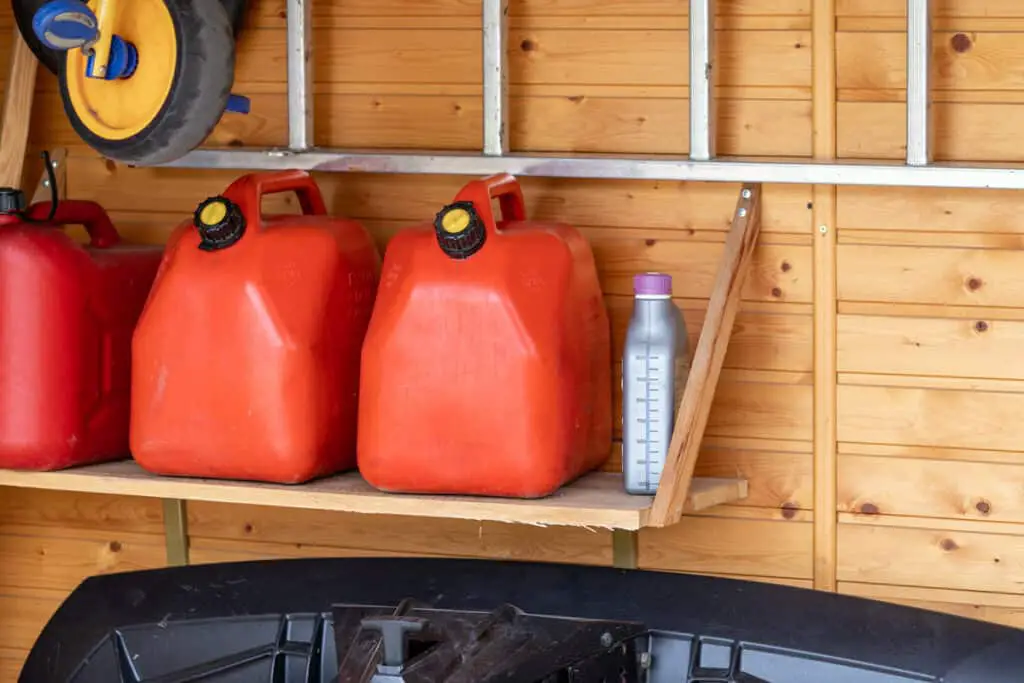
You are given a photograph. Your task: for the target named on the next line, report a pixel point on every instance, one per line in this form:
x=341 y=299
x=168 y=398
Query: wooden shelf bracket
x=692 y=416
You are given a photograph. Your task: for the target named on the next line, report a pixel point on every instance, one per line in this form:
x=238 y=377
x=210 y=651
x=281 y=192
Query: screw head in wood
x=742 y=212
x=746 y=194
x=823 y=229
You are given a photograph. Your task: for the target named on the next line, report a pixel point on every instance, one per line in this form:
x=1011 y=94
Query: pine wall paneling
x=872 y=389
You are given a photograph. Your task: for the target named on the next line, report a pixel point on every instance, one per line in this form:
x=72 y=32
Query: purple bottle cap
x=656 y=284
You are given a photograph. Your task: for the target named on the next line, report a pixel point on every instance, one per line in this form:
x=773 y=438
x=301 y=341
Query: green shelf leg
x=624 y=549
x=176 y=532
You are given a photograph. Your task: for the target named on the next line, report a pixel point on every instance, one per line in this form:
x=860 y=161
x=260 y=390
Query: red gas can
x=246 y=360
x=486 y=368
x=67 y=312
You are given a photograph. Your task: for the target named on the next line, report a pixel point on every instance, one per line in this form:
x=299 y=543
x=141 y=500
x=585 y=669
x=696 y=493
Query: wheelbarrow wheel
x=24 y=10
x=177 y=93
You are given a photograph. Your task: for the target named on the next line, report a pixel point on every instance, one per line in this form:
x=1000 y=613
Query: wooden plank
x=901 y=209
x=776 y=273
x=385 y=55
x=212 y=523
x=596 y=500
x=25 y=613
x=759 y=340
x=945 y=489
x=931 y=346
x=970 y=277
x=931 y=558
x=730 y=546
x=63 y=510
x=975 y=131
x=824 y=63
x=960 y=8
x=273 y=9
x=929 y=417
x=696 y=404
x=987 y=61
x=930 y=453
x=17 y=112
x=999 y=608
x=872 y=308
x=44 y=557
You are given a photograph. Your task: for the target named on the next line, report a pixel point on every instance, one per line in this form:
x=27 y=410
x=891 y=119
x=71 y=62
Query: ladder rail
x=702 y=163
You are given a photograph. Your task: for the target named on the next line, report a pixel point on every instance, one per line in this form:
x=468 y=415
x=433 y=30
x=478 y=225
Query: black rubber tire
x=24 y=10
x=202 y=82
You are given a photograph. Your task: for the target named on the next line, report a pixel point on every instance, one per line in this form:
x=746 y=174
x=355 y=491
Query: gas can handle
x=505 y=188
x=90 y=215
x=299 y=182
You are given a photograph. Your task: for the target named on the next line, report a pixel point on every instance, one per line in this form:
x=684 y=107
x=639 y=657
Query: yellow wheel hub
x=119 y=109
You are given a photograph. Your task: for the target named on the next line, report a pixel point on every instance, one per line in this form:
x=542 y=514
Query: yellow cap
x=455 y=220
x=213 y=213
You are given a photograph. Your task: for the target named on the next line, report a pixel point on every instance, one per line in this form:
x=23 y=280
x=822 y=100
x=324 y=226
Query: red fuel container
x=246 y=358
x=67 y=312
x=487 y=366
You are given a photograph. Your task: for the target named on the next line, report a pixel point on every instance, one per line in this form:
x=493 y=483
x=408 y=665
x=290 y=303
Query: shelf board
x=595 y=500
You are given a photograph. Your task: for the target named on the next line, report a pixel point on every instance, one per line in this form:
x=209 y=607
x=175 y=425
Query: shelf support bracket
x=176 y=532
x=625 y=548
x=58 y=160
x=692 y=416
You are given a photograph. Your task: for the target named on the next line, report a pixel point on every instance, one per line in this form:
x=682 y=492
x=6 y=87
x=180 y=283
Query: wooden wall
x=873 y=389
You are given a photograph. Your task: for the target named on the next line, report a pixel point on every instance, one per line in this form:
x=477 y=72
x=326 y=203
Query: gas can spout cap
x=12 y=200
x=220 y=223
x=460 y=230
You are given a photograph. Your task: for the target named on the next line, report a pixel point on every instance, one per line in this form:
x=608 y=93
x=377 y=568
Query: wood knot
x=869 y=509
x=961 y=43
x=247 y=528
x=110 y=165
x=776 y=292
x=983 y=507
x=948 y=544
x=115 y=546
x=981 y=326
x=974 y=283
x=527 y=45
x=576 y=99
x=235 y=142
x=786 y=267
x=650 y=242
x=789 y=510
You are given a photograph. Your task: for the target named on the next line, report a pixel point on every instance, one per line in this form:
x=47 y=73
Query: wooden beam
x=596 y=500
x=692 y=417
x=17 y=113
x=824 y=213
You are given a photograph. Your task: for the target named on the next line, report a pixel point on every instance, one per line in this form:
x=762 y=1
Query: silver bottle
x=655 y=365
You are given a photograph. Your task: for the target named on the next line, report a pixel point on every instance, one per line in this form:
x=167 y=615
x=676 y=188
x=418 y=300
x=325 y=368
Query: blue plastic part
x=238 y=104
x=122 y=62
x=65 y=24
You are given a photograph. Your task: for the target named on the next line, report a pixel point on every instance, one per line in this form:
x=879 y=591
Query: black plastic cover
x=275 y=621
x=11 y=200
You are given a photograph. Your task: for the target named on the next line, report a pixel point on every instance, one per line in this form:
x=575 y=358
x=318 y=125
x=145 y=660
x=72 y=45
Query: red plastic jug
x=67 y=312
x=246 y=360
x=487 y=365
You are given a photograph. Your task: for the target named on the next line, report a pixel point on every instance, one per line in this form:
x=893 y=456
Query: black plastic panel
x=274 y=621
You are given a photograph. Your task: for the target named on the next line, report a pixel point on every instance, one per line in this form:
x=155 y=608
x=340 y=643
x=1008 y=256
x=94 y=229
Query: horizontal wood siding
x=930 y=308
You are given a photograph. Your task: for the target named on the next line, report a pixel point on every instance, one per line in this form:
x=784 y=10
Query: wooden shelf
x=596 y=500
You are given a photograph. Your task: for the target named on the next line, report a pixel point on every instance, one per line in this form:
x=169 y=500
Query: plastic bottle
x=655 y=365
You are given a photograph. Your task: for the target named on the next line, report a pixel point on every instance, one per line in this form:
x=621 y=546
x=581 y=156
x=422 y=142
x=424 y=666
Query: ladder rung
x=300 y=75
x=702 y=95
x=495 y=56
x=919 y=107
